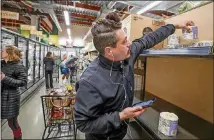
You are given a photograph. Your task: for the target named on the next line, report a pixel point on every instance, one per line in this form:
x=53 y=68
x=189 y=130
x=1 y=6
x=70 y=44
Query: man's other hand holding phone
x=131 y=112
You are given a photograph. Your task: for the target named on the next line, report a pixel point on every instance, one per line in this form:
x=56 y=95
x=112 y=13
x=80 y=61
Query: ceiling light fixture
x=69 y=37
x=69 y=31
x=148 y=7
x=67 y=20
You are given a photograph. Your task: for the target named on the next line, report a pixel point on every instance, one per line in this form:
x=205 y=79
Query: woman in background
x=13 y=75
x=49 y=66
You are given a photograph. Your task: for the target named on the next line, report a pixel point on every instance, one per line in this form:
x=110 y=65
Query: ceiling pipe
x=47 y=9
x=103 y=11
x=131 y=3
x=70 y=8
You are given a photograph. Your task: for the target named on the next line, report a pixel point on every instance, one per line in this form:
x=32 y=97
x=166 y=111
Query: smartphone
x=145 y=104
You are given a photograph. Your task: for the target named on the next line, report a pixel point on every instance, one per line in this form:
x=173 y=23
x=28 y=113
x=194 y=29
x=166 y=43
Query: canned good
x=193 y=34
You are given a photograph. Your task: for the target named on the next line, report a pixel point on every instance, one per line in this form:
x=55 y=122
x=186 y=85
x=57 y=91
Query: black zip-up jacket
x=49 y=63
x=100 y=98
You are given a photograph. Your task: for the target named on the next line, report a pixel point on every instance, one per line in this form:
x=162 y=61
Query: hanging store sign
x=37 y=33
x=33 y=32
x=10 y=15
x=28 y=27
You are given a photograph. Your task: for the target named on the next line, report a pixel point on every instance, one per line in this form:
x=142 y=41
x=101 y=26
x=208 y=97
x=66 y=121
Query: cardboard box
x=134 y=25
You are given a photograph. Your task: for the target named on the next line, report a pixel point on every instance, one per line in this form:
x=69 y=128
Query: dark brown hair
x=103 y=32
x=14 y=54
x=147 y=30
x=49 y=54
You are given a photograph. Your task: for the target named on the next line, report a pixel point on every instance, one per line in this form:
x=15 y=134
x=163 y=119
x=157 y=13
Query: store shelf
x=191 y=51
x=149 y=121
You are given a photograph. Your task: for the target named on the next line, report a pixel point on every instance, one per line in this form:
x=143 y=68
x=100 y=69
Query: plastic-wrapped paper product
x=192 y=35
x=168 y=123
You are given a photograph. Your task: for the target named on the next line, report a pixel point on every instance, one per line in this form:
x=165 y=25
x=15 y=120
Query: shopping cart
x=58 y=116
x=56 y=73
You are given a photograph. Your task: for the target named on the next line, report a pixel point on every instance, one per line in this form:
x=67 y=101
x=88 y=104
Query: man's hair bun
x=113 y=16
x=114 y=19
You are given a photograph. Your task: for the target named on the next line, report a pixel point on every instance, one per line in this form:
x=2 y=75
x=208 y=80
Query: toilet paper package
x=168 y=123
x=192 y=35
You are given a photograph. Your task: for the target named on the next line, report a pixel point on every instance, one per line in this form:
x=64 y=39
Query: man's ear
x=108 y=51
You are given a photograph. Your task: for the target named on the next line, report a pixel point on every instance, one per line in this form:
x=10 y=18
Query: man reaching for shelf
x=105 y=90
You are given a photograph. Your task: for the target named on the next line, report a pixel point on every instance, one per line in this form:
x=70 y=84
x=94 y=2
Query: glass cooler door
x=41 y=61
x=22 y=45
x=37 y=62
x=31 y=63
x=46 y=50
x=7 y=39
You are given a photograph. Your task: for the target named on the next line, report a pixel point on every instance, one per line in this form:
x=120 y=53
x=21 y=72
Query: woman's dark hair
x=48 y=54
x=147 y=30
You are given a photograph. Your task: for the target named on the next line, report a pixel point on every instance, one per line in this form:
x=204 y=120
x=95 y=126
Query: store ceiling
x=84 y=13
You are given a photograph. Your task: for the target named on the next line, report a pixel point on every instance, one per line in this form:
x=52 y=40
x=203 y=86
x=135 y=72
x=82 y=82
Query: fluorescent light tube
x=69 y=37
x=69 y=31
x=148 y=7
x=67 y=20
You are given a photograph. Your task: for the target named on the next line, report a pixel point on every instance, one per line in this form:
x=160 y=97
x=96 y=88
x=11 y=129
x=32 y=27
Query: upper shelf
x=191 y=51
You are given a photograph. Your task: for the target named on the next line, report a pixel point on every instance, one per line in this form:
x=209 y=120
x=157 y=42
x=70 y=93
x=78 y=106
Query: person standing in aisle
x=105 y=90
x=64 y=70
x=13 y=75
x=49 y=66
x=71 y=64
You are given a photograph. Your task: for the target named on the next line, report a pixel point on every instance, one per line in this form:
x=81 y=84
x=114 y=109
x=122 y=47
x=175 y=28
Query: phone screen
x=147 y=103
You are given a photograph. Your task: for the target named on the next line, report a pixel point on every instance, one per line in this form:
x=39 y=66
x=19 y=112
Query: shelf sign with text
x=28 y=27
x=9 y=15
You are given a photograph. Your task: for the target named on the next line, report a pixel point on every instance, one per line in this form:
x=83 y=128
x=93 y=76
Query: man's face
x=122 y=49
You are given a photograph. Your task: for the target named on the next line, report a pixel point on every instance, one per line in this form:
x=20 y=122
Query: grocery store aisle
x=31 y=119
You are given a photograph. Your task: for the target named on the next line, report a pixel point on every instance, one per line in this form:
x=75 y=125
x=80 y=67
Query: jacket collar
x=9 y=62
x=106 y=63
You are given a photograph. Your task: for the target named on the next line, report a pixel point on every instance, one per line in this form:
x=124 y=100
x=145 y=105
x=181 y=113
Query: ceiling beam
x=83 y=16
x=79 y=5
x=76 y=22
x=24 y=11
x=82 y=22
x=76 y=15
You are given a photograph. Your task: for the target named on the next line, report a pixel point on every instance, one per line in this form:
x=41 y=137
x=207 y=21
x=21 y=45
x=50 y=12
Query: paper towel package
x=168 y=123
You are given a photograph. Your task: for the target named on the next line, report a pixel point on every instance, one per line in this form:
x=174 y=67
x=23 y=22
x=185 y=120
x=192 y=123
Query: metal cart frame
x=61 y=127
x=56 y=73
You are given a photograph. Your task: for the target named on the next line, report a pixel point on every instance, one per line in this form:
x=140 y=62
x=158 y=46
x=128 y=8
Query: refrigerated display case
x=22 y=45
x=46 y=50
x=7 y=39
x=33 y=54
x=31 y=63
x=37 y=62
x=42 y=55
